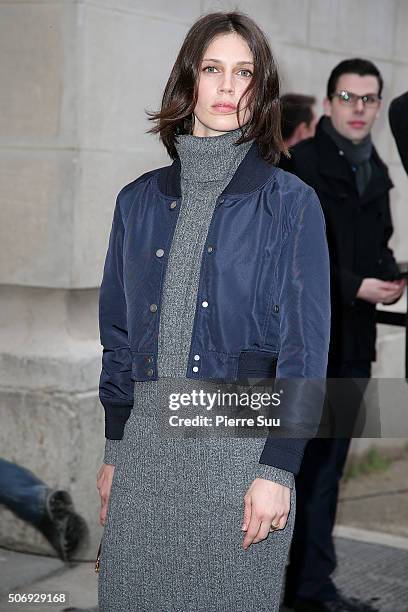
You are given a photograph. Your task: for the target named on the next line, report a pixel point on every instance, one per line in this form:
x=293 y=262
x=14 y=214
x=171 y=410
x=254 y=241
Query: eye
x=209 y=69
x=248 y=72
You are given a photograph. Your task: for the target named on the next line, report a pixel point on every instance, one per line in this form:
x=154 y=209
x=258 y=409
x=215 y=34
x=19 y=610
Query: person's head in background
x=298 y=118
x=354 y=98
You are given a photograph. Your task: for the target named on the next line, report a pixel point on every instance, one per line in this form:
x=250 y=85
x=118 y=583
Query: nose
x=360 y=106
x=227 y=84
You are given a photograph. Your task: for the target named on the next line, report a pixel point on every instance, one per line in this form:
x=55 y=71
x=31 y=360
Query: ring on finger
x=274 y=527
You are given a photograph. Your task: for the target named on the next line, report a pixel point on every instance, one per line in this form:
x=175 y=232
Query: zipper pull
x=98 y=557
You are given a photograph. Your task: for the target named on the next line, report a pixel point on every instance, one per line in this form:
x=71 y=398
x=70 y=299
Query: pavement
x=371 y=565
x=373 y=572
x=26 y=573
x=378 y=500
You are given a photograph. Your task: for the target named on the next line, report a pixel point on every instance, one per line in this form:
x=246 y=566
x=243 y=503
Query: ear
x=300 y=131
x=327 y=107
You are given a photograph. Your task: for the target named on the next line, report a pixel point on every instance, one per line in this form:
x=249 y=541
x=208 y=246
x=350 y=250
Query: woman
x=217 y=268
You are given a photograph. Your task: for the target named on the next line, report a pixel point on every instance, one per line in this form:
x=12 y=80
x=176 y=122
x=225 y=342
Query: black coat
x=398 y=115
x=358 y=231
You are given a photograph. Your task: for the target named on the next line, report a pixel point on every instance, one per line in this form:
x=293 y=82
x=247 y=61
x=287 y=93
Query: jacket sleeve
x=398 y=116
x=388 y=266
x=344 y=280
x=304 y=305
x=115 y=384
x=347 y=282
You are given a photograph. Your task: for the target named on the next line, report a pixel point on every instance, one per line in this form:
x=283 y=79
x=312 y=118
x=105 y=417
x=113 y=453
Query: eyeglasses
x=350 y=99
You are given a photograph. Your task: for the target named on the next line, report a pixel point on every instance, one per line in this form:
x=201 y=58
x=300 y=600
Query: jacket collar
x=251 y=173
x=331 y=159
x=333 y=164
x=380 y=182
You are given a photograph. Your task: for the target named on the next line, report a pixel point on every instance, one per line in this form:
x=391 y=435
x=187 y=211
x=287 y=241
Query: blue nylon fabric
x=266 y=282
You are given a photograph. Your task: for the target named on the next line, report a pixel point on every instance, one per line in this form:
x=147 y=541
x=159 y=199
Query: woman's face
x=225 y=73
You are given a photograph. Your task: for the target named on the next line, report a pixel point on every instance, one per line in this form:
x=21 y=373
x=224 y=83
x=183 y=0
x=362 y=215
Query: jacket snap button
x=148 y=359
x=204 y=304
x=153 y=307
x=173 y=205
x=276 y=308
x=210 y=249
x=195 y=369
x=196 y=357
x=149 y=372
x=159 y=252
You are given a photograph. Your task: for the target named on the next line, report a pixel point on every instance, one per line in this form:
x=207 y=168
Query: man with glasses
x=342 y=165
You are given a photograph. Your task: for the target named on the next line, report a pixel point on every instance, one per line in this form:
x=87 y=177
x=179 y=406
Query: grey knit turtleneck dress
x=172 y=540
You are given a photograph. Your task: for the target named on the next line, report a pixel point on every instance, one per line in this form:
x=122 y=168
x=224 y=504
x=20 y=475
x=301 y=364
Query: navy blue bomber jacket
x=263 y=301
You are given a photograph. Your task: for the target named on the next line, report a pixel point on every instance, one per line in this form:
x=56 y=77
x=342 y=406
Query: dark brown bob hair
x=181 y=91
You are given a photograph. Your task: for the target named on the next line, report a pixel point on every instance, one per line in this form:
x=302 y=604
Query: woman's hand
x=103 y=484
x=266 y=508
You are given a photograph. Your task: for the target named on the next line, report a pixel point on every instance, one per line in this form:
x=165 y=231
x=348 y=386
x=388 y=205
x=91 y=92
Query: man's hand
x=266 y=507
x=374 y=290
x=103 y=484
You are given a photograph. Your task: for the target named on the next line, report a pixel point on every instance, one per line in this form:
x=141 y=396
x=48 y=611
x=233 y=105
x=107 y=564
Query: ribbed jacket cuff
x=284 y=453
x=116 y=415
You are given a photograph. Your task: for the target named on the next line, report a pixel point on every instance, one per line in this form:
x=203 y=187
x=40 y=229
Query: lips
x=357 y=124
x=224 y=107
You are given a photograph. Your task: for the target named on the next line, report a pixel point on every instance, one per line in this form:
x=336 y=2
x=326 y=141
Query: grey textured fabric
x=111 y=451
x=207 y=166
x=172 y=538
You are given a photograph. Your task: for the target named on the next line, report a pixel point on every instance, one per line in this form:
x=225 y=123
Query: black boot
x=65 y=530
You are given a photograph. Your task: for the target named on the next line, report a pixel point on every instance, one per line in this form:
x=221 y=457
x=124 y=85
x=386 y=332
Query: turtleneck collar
x=210 y=158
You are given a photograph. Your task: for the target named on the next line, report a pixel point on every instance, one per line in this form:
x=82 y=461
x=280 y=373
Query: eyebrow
x=371 y=93
x=218 y=61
